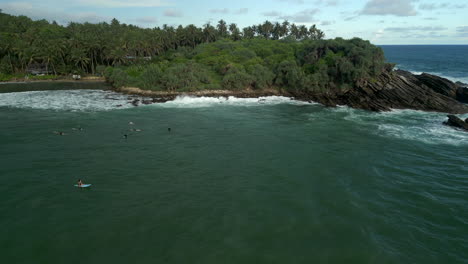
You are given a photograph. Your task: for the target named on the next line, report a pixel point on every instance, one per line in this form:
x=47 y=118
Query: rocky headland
x=400 y=90
x=391 y=90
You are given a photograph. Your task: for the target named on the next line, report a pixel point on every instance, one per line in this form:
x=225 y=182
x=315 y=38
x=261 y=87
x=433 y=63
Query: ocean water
x=268 y=180
x=449 y=61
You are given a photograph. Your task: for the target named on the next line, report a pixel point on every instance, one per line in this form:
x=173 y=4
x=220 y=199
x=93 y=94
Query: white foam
x=198 y=102
x=450 y=78
x=415 y=125
x=440 y=74
x=66 y=100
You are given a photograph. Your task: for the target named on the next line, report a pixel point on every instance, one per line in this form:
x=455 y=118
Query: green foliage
x=118 y=78
x=237 y=79
x=188 y=58
x=100 y=70
x=314 y=66
x=43 y=77
x=83 y=48
x=262 y=76
x=184 y=77
x=150 y=79
x=5 y=65
x=289 y=75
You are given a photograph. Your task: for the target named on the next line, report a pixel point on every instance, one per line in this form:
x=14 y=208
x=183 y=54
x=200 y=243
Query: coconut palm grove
x=186 y=58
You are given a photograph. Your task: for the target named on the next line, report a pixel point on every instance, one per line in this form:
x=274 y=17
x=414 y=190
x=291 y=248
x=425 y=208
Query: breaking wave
x=198 y=102
x=415 y=125
x=66 y=100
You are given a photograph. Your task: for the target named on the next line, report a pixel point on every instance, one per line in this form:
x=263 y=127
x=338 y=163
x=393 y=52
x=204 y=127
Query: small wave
x=426 y=127
x=450 y=78
x=198 y=102
x=463 y=79
x=66 y=100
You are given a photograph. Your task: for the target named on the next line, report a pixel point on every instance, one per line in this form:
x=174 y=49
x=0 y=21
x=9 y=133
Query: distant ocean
x=448 y=61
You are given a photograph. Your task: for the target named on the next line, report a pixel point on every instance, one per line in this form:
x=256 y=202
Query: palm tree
x=235 y=32
x=249 y=32
x=222 y=29
x=209 y=33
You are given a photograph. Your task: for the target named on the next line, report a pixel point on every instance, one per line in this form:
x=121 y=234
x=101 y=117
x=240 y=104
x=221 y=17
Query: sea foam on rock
x=454 y=121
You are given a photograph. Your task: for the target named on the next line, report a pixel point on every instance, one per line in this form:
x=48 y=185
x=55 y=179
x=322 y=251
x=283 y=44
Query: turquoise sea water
x=234 y=181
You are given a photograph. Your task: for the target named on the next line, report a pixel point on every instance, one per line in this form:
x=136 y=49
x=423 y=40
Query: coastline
x=391 y=90
x=163 y=96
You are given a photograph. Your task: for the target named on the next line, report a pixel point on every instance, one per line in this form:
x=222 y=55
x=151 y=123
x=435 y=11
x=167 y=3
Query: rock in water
x=454 y=121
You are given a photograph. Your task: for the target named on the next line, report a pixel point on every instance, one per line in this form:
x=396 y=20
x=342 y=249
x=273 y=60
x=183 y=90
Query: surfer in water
x=60 y=133
x=80 y=183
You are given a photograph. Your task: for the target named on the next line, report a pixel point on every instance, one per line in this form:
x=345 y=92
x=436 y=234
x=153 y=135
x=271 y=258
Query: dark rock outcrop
x=147 y=102
x=462 y=84
x=397 y=90
x=439 y=84
x=454 y=121
x=135 y=102
x=462 y=94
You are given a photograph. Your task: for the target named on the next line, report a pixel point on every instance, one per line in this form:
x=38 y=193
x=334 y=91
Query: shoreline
x=391 y=90
x=208 y=93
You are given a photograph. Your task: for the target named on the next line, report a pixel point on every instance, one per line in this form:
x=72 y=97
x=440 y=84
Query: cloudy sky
x=380 y=21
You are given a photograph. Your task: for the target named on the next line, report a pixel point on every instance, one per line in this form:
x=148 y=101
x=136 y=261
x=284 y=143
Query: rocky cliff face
x=400 y=90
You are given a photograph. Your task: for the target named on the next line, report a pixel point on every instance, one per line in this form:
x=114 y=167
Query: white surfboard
x=83 y=185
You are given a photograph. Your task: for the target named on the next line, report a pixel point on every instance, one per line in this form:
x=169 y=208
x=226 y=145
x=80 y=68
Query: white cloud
x=304 y=16
x=462 y=31
x=327 y=23
x=241 y=11
x=219 y=11
x=415 y=28
x=327 y=2
x=434 y=6
x=172 y=13
x=146 y=20
x=120 y=3
x=389 y=7
x=300 y=2
x=51 y=13
x=272 y=14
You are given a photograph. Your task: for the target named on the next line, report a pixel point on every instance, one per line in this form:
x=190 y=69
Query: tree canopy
x=187 y=58
x=82 y=47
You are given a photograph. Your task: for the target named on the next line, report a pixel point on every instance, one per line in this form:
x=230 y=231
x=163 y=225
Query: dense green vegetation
x=269 y=55
x=308 y=65
x=83 y=47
